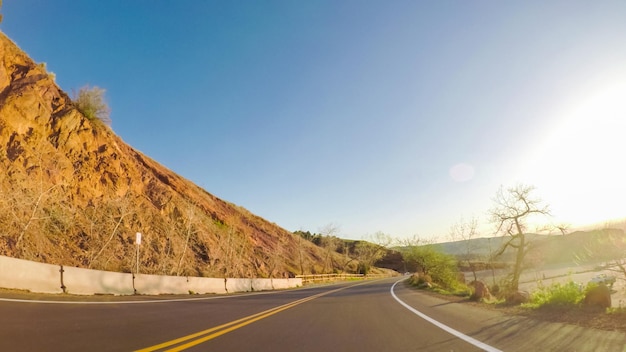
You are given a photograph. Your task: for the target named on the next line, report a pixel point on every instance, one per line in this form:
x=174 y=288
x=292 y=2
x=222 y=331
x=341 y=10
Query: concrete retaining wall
x=283 y=284
x=80 y=281
x=156 y=284
x=203 y=285
x=261 y=284
x=47 y=278
x=26 y=275
x=295 y=282
x=238 y=285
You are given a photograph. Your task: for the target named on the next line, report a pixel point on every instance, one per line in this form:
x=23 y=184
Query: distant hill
x=73 y=193
x=575 y=248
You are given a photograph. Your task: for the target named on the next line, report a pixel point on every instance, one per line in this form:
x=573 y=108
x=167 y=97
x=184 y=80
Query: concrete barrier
x=80 y=281
x=26 y=275
x=47 y=278
x=206 y=285
x=261 y=284
x=280 y=284
x=238 y=285
x=295 y=282
x=156 y=284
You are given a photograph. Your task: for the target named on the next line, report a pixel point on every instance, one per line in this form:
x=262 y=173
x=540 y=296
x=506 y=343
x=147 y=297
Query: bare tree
x=33 y=216
x=563 y=228
x=346 y=258
x=329 y=243
x=123 y=209
x=466 y=232
x=369 y=252
x=189 y=231
x=300 y=242
x=511 y=213
x=233 y=254
x=275 y=257
x=33 y=194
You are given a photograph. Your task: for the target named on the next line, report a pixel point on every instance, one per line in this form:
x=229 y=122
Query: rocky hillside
x=73 y=193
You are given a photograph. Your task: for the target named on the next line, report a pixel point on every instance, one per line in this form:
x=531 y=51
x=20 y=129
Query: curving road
x=363 y=316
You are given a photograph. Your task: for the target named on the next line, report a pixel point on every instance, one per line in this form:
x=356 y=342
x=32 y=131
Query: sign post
x=138 y=242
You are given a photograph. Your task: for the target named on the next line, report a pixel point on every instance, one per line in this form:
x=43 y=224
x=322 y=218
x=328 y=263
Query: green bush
x=90 y=102
x=440 y=267
x=557 y=295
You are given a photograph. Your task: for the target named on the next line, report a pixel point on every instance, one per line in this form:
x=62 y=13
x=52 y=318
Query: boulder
x=598 y=296
x=481 y=291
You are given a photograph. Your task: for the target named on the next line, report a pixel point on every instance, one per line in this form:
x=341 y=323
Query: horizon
x=399 y=118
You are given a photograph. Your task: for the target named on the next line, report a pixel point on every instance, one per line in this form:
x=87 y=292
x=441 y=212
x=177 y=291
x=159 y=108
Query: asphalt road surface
x=358 y=316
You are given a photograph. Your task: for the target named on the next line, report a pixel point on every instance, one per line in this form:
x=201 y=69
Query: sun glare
x=580 y=169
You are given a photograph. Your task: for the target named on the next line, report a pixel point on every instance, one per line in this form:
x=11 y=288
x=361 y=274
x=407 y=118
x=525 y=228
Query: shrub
x=420 y=280
x=440 y=267
x=557 y=295
x=90 y=102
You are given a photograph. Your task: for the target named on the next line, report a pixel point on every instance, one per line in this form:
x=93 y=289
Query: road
x=357 y=316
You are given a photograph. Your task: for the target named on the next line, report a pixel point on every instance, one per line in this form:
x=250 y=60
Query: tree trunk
x=519 y=258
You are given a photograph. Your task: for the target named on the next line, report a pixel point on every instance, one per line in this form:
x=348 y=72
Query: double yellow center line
x=189 y=341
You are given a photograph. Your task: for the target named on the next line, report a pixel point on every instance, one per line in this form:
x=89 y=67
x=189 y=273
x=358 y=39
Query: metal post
x=137 y=270
x=138 y=242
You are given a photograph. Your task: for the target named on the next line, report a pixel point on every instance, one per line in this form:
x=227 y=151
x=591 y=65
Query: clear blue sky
x=392 y=116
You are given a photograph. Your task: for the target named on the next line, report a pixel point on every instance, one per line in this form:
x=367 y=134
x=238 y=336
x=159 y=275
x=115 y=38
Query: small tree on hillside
x=370 y=251
x=513 y=208
x=367 y=254
x=330 y=243
x=91 y=103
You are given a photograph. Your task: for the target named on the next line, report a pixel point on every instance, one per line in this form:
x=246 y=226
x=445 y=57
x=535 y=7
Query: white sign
x=138 y=238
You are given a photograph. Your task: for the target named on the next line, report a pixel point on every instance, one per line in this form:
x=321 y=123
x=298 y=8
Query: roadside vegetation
x=91 y=103
x=558 y=295
x=518 y=248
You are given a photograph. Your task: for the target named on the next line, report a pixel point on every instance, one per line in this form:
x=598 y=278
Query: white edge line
x=446 y=328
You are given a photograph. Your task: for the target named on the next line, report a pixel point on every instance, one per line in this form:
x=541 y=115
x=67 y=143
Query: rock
x=518 y=297
x=425 y=285
x=599 y=296
x=481 y=291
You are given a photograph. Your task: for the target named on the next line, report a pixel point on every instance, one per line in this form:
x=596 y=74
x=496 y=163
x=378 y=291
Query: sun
x=581 y=166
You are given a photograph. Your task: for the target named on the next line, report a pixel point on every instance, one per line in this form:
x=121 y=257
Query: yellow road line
x=227 y=330
x=233 y=325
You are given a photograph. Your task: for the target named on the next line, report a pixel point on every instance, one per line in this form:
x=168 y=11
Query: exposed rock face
x=74 y=193
x=598 y=296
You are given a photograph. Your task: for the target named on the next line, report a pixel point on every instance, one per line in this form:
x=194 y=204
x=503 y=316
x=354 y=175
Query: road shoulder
x=510 y=332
